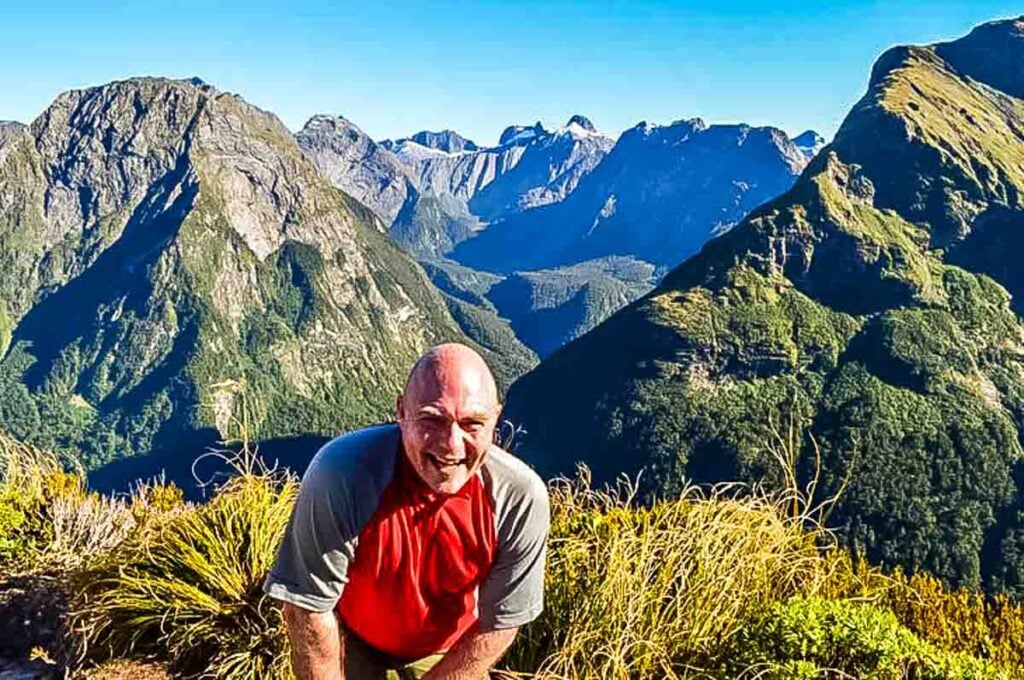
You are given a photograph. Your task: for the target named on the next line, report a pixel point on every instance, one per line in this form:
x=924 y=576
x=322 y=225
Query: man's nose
x=454 y=438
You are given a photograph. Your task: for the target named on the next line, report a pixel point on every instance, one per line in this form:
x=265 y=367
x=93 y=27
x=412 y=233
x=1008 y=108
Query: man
x=415 y=550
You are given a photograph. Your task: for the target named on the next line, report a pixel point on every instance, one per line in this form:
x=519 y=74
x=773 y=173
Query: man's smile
x=444 y=464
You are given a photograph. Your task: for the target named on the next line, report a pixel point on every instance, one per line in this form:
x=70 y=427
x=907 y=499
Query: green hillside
x=867 y=312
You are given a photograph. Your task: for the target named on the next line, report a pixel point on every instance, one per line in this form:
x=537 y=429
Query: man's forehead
x=466 y=389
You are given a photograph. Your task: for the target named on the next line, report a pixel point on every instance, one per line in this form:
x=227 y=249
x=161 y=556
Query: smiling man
x=415 y=550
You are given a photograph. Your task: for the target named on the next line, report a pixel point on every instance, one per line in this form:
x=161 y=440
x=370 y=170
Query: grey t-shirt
x=340 y=501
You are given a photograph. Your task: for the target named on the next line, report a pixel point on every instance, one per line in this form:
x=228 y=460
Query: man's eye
x=432 y=421
x=473 y=426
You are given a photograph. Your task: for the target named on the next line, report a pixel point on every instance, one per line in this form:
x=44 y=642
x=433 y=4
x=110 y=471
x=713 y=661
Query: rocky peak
x=992 y=53
x=519 y=135
x=810 y=143
x=356 y=164
x=581 y=121
x=448 y=141
x=158 y=237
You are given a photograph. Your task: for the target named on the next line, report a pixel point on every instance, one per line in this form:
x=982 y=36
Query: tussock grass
x=187 y=589
x=654 y=592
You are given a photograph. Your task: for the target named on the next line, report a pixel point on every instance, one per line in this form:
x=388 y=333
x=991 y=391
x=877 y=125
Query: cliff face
x=158 y=238
x=871 y=308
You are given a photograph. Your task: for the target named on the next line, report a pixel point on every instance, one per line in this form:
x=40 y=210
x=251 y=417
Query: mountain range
x=543 y=201
x=864 y=325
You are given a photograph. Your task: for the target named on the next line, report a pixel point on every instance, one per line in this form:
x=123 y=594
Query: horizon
x=794 y=68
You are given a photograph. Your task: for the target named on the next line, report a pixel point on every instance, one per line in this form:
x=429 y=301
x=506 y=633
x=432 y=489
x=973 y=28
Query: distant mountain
x=544 y=199
x=867 y=314
x=356 y=164
x=465 y=187
x=810 y=143
x=158 y=239
x=450 y=189
x=660 y=193
x=448 y=141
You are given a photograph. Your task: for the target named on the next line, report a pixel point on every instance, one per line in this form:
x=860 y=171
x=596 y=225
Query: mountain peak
x=583 y=122
x=992 y=53
x=809 y=142
x=521 y=134
x=446 y=140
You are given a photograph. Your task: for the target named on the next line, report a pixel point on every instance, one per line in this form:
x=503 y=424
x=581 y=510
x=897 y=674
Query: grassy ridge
x=716 y=582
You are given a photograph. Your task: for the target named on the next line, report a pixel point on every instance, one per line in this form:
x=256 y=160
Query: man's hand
x=473 y=655
x=317 y=646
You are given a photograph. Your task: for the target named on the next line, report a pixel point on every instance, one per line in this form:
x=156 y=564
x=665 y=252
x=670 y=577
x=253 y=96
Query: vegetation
x=715 y=582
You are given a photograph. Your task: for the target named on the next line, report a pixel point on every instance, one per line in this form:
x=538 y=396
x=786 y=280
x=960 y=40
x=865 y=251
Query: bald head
x=447 y=415
x=452 y=364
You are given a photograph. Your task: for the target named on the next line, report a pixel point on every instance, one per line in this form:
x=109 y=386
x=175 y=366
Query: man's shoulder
x=356 y=458
x=510 y=478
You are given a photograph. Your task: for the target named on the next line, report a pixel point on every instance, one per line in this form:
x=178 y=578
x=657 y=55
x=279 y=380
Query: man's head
x=447 y=415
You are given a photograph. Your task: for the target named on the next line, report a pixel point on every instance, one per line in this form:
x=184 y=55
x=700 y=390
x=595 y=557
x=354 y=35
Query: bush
x=818 y=638
x=961 y=620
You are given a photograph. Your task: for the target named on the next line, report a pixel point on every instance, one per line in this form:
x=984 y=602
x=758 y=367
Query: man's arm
x=473 y=655
x=317 y=645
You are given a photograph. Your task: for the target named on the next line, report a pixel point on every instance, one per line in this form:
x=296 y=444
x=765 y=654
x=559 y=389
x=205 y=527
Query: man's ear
x=399 y=408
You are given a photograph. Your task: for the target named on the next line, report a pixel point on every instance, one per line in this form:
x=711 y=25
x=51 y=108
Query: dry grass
x=655 y=592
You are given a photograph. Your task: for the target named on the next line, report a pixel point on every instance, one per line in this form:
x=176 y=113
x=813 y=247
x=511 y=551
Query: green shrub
x=821 y=638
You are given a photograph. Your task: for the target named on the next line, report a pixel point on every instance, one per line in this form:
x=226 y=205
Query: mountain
x=9 y=130
x=356 y=164
x=870 y=314
x=463 y=184
x=159 y=239
x=534 y=166
x=660 y=193
x=810 y=143
x=448 y=141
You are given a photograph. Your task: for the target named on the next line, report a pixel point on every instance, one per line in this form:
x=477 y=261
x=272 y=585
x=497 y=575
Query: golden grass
x=187 y=588
x=636 y=592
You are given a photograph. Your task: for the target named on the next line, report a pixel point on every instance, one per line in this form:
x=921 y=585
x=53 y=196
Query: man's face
x=447 y=417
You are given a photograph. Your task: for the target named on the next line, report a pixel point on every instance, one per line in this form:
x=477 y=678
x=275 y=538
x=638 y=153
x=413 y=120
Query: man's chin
x=450 y=487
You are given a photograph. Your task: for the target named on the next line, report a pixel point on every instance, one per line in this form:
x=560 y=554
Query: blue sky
x=396 y=67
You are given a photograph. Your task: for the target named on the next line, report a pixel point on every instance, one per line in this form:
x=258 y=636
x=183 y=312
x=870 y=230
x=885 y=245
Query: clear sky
x=395 y=67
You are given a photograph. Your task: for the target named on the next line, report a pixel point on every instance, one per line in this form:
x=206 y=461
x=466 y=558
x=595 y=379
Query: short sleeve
x=513 y=593
x=312 y=561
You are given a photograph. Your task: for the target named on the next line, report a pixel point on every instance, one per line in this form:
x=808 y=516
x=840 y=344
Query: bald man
x=415 y=550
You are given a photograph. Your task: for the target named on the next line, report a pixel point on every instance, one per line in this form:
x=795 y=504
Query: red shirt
x=419 y=561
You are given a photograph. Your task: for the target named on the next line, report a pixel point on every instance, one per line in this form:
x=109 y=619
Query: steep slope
x=868 y=309
x=658 y=196
x=158 y=238
x=356 y=164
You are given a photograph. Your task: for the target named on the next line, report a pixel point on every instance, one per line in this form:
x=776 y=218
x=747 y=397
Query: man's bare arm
x=473 y=655
x=317 y=647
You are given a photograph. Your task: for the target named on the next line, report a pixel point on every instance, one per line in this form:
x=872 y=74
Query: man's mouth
x=445 y=464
